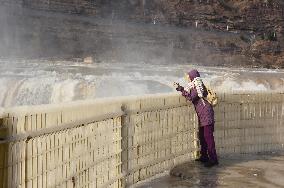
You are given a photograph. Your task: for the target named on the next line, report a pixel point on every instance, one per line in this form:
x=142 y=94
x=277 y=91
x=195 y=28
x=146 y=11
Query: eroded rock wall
x=242 y=32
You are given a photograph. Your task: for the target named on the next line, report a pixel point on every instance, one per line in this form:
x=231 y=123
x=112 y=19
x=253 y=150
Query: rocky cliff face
x=258 y=16
x=247 y=32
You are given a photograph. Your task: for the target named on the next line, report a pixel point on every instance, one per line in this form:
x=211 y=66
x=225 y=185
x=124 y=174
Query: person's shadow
x=194 y=174
x=239 y=170
x=235 y=170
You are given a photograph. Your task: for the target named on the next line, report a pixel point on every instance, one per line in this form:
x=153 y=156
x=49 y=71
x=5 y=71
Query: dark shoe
x=210 y=164
x=202 y=160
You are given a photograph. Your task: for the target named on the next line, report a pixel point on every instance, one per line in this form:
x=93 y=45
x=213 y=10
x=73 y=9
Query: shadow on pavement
x=259 y=170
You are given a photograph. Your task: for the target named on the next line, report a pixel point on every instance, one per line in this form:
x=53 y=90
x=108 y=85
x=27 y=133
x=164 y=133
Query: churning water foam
x=32 y=82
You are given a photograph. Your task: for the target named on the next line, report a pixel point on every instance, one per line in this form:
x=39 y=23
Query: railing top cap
x=116 y=101
x=1 y=113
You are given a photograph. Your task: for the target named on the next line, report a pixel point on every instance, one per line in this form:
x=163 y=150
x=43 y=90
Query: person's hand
x=176 y=85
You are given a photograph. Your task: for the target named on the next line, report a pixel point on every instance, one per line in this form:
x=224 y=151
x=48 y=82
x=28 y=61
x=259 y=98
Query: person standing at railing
x=196 y=92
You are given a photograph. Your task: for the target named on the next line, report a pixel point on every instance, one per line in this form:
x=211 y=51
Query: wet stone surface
x=238 y=171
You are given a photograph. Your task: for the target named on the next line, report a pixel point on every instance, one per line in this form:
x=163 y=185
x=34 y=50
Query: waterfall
x=43 y=82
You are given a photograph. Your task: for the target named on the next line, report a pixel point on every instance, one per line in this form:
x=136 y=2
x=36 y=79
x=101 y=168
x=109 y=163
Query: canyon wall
x=232 y=33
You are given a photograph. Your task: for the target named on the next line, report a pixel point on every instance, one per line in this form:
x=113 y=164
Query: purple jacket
x=205 y=112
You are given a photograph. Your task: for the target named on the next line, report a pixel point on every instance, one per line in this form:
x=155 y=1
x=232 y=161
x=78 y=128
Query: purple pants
x=207 y=143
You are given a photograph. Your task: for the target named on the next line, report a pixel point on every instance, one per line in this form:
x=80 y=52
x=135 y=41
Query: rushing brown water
x=24 y=82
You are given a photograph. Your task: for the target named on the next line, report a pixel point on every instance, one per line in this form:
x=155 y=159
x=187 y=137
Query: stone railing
x=119 y=142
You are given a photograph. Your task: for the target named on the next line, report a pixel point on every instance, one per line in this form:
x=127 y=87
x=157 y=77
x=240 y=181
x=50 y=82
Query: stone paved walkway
x=238 y=171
